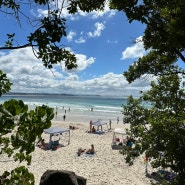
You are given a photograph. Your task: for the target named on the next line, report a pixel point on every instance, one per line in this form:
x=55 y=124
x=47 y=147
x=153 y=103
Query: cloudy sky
x=104 y=45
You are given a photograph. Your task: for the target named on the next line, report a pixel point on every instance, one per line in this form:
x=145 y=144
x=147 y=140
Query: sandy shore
x=106 y=167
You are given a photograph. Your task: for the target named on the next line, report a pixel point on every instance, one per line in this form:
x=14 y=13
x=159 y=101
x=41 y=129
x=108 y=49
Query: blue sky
x=104 y=44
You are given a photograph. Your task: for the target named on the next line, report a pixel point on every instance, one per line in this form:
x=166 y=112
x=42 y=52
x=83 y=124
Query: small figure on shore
x=64 y=117
x=69 y=109
x=90 y=126
x=117 y=120
x=56 y=111
x=65 y=111
x=91 y=150
x=72 y=127
x=146 y=162
x=110 y=123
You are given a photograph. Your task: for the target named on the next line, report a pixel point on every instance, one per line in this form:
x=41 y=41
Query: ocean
x=75 y=107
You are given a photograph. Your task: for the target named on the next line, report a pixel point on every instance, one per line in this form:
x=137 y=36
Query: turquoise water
x=78 y=107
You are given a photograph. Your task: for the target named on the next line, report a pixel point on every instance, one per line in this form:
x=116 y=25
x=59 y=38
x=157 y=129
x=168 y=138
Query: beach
x=105 y=167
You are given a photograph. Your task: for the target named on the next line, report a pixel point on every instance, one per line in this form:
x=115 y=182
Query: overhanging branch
x=181 y=55
x=16 y=47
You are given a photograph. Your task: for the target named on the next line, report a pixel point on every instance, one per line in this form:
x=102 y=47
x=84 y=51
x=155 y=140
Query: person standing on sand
x=117 y=120
x=110 y=122
x=90 y=125
x=56 y=111
x=64 y=117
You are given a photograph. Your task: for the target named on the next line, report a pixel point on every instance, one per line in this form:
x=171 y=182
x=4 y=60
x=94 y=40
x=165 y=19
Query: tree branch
x=181 y=55
x=16 y=47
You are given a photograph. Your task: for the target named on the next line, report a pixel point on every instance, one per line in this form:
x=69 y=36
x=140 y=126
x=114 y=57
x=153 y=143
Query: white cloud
x=94 y=14
x=99 y=27
x=135 y=51
x=106 y=11
x=111 y=84
x=82 y=63
x=71 y=35
x=26 y=72
x=80 y=40
x=29 y=75
x=72 y=77
x=65 y=13
x=40 y=12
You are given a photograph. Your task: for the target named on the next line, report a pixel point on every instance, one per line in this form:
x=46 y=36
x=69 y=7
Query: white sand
x=106 y=167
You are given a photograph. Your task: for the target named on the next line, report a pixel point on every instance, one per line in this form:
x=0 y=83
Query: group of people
x=65 y=111
x=45 y=146
x=127 y=141
x=71 y=127
x=92 y=128
x=89 y=151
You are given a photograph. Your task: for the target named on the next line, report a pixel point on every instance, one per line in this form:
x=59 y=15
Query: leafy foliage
x=86 y=5
x=46 y=38
x=160 y=127
x=19 y=129
x=4 y=83
x=19 y=176
x=51 y=31
x=156 y=66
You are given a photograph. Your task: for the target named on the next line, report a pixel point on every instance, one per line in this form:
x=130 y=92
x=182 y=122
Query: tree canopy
x=159 y=127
